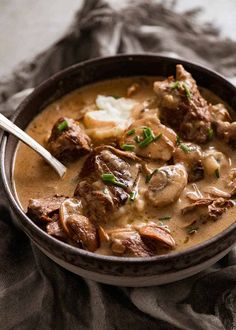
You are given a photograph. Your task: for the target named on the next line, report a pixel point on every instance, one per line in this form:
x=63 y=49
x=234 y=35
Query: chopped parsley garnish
x=210 y=134
x=185 y=148
x=133 y=195
x=131 y=132
x=217 y=173
x=149 y=137
x=62 y=126
x=110 y=178
x=149 y=177
x=128 y=147
x=178 y=84
x=187 y=91
x=175 y=85
x=146 y=142
x=147 y=131
x=168 y=217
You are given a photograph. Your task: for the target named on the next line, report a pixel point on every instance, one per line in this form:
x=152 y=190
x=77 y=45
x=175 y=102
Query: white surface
x=30 y=26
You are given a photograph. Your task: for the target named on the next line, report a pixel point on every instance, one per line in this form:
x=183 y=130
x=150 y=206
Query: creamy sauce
x=33 y=178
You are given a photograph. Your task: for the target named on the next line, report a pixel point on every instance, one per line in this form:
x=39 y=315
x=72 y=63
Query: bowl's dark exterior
x=115 y=270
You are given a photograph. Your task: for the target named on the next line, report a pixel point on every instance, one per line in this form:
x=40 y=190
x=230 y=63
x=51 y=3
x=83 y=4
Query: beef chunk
x=100 y=199
x=68 y=140
x=127 y=242
x=43 y=209
x=182 y=107
x=55 y=229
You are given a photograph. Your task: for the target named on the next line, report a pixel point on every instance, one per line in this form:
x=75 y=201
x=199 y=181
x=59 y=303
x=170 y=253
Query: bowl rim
x=75 y=250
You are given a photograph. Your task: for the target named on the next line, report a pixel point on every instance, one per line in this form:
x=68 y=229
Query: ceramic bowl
x=110 y=269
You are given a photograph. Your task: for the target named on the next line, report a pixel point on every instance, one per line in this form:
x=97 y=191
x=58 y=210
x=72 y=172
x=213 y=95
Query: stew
x=151 y=166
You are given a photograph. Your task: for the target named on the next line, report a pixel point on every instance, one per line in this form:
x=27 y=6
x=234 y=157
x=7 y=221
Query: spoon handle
x=8 y=126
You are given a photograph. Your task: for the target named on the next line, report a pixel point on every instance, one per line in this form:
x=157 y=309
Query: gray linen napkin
x=35 y=293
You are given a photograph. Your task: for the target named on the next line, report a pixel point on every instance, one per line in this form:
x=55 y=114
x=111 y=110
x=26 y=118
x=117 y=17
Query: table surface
x=30 y=26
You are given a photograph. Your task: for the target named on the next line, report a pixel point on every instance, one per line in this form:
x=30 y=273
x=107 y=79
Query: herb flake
x=185 y=148
x=167 y=217
x=210 y=133
x=133 y=195
x=128 y=147
x=131 y=132
x=62 y=126
x=175 y=85
x=149 y=177
x=187 y=91
x=109 y=178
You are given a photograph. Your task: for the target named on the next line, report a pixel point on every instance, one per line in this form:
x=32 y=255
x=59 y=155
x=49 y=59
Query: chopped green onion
x=133 y=195
x=217 y=173
x=131 y=132
x=168 y=217
x=187 y=91
x=210 y=134
x=148 y=177
x=62 y=126
x=128 y=147
x=175 y=85
x=111 y=179
x=147 y=132
x=146 y=142
x=185 y=148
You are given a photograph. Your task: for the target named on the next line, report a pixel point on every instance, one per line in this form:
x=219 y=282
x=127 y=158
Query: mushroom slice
x=157 y=235
x=207 y=208
x=166 y=185
x=78 y=227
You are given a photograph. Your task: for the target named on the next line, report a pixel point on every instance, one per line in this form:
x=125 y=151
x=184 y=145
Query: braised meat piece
x=55 y=229
x=43 y=209
x=68 y=140
x=105 y=183
x=227 y=132
x=148 y=138
x=190 y=155
x=207 y=209
x=127 y=242
x=182 y=107
x=78 y=227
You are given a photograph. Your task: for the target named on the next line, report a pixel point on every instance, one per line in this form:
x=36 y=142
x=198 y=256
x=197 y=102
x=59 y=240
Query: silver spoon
x=8 y=126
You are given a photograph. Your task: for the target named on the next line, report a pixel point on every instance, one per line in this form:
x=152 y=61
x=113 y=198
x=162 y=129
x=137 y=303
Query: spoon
x=8 y=126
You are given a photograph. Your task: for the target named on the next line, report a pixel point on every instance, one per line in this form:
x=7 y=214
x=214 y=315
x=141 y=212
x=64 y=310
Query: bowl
x=111 y=269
